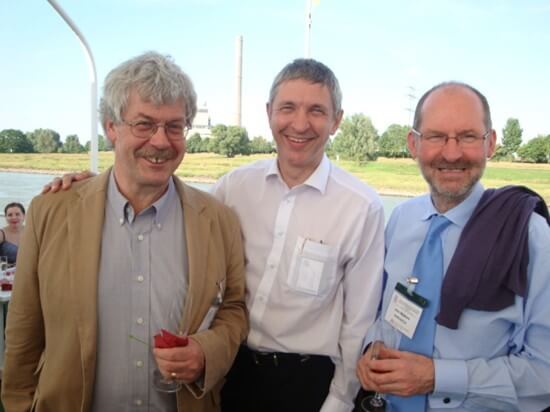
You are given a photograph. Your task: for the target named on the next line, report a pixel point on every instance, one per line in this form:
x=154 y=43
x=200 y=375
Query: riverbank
x=392 y=177
x=193 y=179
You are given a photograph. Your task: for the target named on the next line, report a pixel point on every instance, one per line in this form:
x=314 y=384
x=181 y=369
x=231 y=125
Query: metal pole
x=93 y=83
x=308 y=30
x=412 y=98
x=238 y=79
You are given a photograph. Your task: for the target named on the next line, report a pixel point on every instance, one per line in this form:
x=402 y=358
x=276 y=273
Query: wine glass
x=384 y=335
x=173 y=325
x=3 y=263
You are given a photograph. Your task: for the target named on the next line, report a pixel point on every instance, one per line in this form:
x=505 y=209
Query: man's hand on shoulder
x=65 y=182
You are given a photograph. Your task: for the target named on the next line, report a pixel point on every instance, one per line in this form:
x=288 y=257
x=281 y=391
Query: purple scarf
x=489 y=266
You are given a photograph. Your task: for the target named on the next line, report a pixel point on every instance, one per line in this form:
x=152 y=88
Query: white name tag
x=403 y=314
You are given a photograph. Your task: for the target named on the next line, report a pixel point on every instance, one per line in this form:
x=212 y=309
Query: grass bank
x=388 y=176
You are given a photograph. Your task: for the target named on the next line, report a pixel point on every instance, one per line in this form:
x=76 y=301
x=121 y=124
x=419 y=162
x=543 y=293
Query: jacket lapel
x=197 y=233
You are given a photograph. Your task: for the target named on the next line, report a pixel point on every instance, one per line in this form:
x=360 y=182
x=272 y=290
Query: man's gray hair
x=312 y=71
x=155 y=77
x=417 y=123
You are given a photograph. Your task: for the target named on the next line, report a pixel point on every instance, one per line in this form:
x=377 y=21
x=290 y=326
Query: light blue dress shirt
x=494 y=360
x=142 y=283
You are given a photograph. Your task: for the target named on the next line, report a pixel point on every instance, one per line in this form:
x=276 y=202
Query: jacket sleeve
x=229 y=327
x=25 y=327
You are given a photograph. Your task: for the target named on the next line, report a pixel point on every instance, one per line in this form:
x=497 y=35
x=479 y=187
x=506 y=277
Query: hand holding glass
x=173 y=325
x=3 y=263
x=384 y=335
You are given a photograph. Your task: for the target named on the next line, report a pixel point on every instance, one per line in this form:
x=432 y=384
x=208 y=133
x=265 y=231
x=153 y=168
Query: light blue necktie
x=428 y=268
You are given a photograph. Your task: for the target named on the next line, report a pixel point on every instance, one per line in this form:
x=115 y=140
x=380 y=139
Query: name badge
x=404 y=310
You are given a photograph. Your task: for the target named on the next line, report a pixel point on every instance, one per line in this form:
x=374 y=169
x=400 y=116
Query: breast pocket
x=313 y=267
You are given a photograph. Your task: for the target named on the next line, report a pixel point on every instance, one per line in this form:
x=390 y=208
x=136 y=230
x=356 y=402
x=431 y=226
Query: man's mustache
x=164 y=154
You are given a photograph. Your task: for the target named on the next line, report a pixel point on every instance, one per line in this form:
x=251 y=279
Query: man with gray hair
x=107 y=264
x=313 y=237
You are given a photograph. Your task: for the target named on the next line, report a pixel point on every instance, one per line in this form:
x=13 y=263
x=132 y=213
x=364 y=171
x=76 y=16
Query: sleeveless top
x=8 y=249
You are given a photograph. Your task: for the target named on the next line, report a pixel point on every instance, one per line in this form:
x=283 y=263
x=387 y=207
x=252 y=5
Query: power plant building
x=202 y=123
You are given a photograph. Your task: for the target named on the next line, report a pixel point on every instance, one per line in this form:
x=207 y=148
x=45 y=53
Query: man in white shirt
x=313 y=238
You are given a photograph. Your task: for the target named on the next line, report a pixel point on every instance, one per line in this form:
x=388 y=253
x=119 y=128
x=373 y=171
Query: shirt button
x=121 y=221
x=446 y=400
x=159 y=226
x=262 y=298
x=138 y=402
x=272 y=265
x=140 y=278
x=139 y=321
x=139 y=364
x=140 y=237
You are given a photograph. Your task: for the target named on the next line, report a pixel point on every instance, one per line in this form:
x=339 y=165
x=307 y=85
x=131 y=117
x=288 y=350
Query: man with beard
x=105 y=265
x=474 y=331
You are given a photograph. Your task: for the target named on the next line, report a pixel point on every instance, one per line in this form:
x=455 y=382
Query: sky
x=381 y=52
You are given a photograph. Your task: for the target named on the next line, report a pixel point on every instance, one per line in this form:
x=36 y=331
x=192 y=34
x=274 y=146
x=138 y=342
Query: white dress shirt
x=314 y=258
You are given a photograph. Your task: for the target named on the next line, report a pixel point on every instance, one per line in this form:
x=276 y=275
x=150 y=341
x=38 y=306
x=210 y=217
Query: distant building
x=202 y=123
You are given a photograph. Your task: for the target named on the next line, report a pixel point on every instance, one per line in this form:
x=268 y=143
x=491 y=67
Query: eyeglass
x=467 y=139
x=145 y=129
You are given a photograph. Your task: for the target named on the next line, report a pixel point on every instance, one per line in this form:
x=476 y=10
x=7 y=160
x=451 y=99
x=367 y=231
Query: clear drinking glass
x=384 y=335
x=173 y=325
x=3 y=263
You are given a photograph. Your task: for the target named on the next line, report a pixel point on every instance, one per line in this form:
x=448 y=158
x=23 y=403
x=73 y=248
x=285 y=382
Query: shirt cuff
x=451 y=383
x=334 y=404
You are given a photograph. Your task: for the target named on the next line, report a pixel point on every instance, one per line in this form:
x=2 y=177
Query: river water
x=22 y=187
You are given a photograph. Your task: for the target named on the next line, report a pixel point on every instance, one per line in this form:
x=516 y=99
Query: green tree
x=14 y=141
x=102 y=144
x=194 y=143
x=261 y=145
x=393 y=142
x=329 y=148
x=72 y=144
x=230 y=140
x=207 y=145
x=357 y=139
x=45 y=140
x=536 y=150
x=511 y=139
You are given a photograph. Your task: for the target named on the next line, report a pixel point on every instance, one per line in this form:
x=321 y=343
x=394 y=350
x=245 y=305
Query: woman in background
x=10 y=234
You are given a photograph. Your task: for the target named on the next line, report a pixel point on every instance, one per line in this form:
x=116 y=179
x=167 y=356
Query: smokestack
x=238 y=79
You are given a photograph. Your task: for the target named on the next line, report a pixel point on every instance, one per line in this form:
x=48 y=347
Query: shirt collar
x=318 y=179
x=119 y=203
x=459 y=214
x=164 y=204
